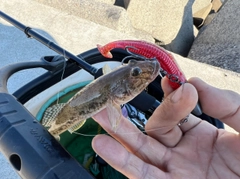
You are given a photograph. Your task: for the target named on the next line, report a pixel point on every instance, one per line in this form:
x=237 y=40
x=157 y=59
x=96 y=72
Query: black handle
x=47 y=63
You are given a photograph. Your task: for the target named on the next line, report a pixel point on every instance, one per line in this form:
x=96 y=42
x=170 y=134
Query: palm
x=206 y=154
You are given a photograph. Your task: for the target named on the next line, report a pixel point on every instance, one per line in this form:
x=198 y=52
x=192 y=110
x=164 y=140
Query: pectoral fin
x=114 y=114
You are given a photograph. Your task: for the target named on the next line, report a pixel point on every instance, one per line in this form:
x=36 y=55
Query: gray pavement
x=76 y=35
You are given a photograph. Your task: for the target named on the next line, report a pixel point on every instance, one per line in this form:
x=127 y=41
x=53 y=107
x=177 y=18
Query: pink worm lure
x=150 y=51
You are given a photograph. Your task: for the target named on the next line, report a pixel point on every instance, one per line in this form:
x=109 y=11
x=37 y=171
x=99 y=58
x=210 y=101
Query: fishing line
x=126 y=133
x=62 y=75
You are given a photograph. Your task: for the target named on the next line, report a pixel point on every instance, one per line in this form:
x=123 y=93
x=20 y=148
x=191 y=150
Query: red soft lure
x=148 y=50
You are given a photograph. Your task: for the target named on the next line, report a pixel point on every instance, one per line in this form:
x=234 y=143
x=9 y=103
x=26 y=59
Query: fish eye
x=136 y=71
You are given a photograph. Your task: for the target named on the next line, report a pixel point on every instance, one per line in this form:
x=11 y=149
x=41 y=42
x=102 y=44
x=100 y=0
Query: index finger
x=218 y=103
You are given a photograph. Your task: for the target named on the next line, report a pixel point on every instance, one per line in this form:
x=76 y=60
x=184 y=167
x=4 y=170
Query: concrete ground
x=76 y=35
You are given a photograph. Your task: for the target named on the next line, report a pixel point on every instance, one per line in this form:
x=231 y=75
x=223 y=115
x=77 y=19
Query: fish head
x=138 y=75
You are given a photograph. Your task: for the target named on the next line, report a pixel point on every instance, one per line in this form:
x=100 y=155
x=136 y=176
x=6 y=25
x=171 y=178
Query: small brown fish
x=108 y=91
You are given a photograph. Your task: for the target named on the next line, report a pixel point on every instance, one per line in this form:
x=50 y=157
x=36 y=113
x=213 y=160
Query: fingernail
x=177 y=95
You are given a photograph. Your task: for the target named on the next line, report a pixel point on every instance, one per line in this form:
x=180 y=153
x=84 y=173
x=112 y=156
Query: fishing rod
x=31 y=33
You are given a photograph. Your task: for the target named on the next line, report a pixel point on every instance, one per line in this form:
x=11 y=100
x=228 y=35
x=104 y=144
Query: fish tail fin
x=51 y=114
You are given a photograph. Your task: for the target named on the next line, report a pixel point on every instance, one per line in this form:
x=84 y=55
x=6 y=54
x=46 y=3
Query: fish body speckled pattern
x=108 y=91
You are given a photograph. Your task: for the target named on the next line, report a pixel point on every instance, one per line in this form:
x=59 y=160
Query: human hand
x=196 y=149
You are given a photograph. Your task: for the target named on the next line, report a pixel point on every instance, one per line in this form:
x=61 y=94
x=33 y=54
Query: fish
x=109 y=91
